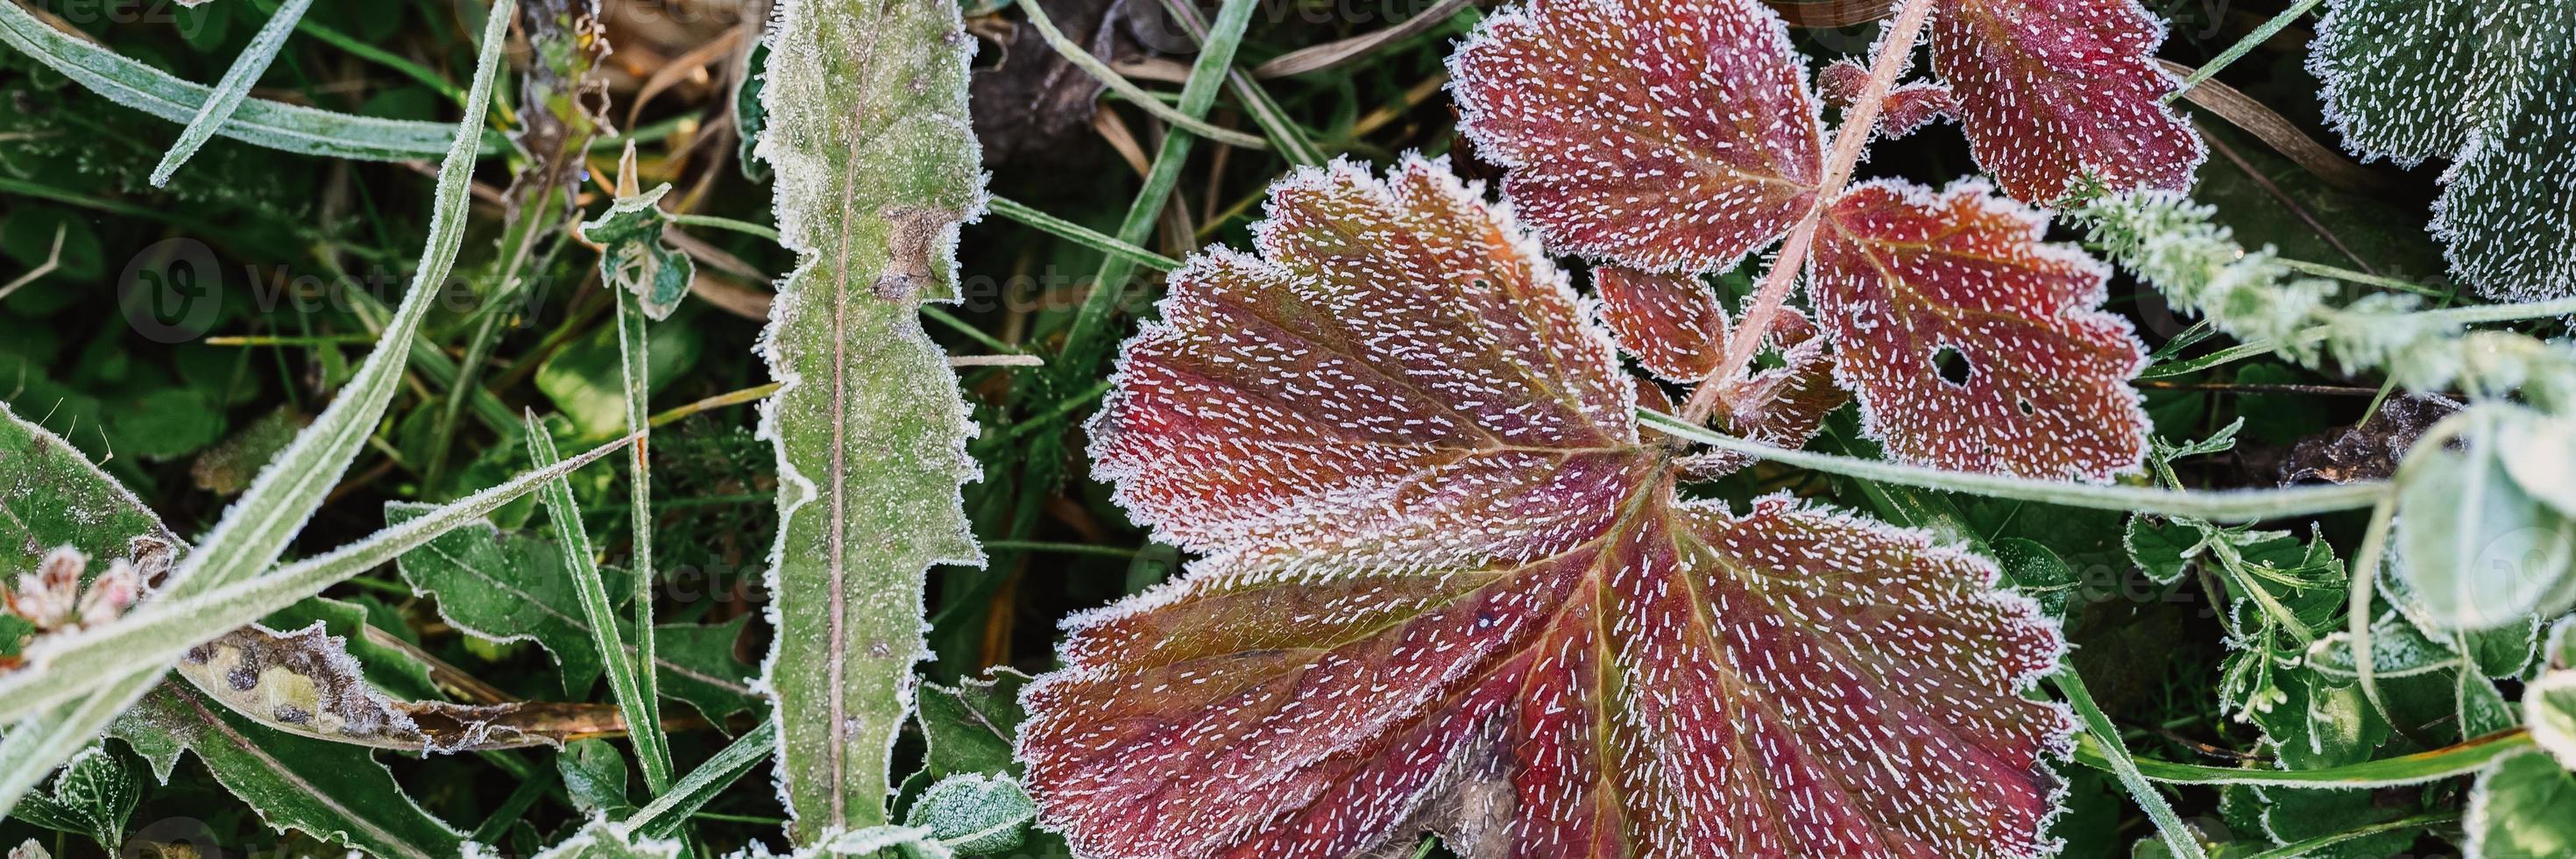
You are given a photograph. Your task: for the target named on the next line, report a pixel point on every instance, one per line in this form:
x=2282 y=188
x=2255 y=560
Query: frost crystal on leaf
x=1452 y=590
x=2049 y=91
x=1971 y=344
x=1668 y=136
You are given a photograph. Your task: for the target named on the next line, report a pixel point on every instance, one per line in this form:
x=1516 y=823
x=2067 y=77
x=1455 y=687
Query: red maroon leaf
x=1362 y=425
x=1283 y=402
x=2038 y=379
x=1908 y=107
x=1668 y=136
x=2051 y=90
x=1782 y=406
x=1672 y=323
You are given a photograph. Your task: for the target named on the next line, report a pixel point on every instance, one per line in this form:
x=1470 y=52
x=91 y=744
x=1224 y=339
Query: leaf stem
x=1895 y=49
x=2237 y=505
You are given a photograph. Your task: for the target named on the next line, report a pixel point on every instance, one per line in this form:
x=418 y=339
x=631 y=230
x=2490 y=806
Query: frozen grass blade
x=2177 y=835
x=663 y=816
x=2228 y=505
x=230 y=91
x=876 y=168
x=651 y=746
x=256 y=529
x=1081 y=235
x=260 y=122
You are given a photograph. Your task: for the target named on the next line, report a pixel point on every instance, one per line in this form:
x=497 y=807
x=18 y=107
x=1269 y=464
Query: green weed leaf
x=867 y=131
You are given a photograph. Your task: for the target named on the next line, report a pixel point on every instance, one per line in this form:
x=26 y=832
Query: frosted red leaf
x=1667 y=136
x=1671 y=323
x=2051 y=90
x=1631 y=676
x=1970 y=342
x=1783 y=406
x=1907 y=108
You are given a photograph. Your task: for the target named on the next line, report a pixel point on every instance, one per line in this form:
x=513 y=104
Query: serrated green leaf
x=969 y=728
x=52 y=496
x=2523 y=806
x=868 y=133
x=974 y=812
x=2163 y=548
x=513 y=587
x=2482 y=84
x=93 y=798
x=334 y=792
x=633 y=256
x=501 y=587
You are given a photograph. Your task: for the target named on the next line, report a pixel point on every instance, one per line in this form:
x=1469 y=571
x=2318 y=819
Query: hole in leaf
x=1953 y=366
x=2027 y=409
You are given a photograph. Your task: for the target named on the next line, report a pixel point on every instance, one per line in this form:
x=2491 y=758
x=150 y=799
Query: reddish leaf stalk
x=1849 y=140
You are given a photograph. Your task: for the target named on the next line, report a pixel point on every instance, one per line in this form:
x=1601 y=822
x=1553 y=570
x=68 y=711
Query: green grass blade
x=255 y=531
x=2178 y=836
x=876 y=169
x=644 y=729
x=663 y=816
x=231 y=89
x=260 y=122
x=1081 y=235
x=1285 y=134
x=2418 y=768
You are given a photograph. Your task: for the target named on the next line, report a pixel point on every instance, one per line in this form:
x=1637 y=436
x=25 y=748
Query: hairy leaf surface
x=1905 y=280
x=2050 y=91
x=867 y=128
x=2484 y=84
x=1452 y=589
x=1667 y=136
